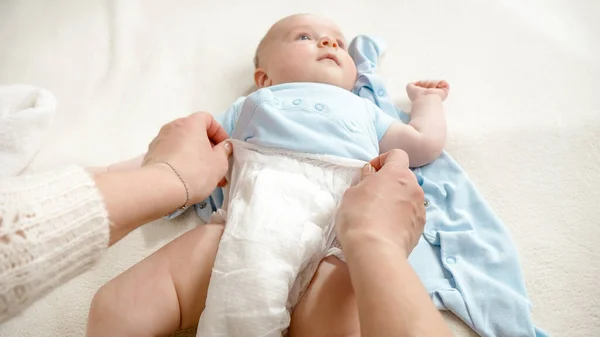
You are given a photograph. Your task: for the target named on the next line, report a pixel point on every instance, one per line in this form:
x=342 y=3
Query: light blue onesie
x=309 y=117
x=465 y=258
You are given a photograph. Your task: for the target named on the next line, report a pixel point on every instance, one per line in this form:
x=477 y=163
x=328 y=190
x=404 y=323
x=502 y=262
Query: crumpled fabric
x=26 y=115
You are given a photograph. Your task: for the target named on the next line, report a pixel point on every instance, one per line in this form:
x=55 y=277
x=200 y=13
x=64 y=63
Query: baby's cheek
x=351 y=71
x=348 y=63
x=350 y=74
x=295 y=67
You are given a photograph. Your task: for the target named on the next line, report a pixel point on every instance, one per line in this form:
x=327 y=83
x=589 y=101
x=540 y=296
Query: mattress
x=523 y=114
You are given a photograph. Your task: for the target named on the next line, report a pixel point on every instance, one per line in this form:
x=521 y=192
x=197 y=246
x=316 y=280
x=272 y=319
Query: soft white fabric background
x=523 y=112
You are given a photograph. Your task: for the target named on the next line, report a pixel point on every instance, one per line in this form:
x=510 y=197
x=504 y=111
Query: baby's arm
x=424 y=137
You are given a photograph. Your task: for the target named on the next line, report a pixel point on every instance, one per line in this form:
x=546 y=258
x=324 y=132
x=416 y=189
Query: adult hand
x=385 y=206
x=196 y=147
x=378 y=223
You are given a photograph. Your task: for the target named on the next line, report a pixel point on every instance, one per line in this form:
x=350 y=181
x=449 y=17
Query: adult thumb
x=224 y=147
x=367 y=171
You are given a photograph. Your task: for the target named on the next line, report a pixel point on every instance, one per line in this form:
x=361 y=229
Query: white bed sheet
x=523 y=113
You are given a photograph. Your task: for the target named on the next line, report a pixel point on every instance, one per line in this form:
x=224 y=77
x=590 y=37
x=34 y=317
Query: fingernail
x=368 y=169
x=228 y=146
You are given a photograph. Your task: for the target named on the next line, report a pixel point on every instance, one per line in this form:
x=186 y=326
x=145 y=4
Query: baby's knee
x=105 y=317
x=101 y=312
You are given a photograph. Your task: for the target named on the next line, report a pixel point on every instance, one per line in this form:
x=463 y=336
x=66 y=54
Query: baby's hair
x=258 y=49
x=265 y=38
x=256 y=57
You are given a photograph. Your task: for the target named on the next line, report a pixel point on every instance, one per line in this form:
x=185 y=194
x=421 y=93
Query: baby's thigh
x=328 y=306
x=164 y=292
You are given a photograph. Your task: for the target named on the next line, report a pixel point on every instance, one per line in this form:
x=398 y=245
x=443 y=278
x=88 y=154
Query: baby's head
x=304 y=48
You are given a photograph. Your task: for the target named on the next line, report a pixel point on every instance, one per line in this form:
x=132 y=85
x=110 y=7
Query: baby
x=303 y=105
x=302 y=50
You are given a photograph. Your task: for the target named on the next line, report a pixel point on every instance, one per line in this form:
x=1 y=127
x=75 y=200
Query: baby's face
x=305 y=48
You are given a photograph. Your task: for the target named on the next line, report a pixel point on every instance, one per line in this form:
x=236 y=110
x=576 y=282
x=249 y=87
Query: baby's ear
x=261 y=79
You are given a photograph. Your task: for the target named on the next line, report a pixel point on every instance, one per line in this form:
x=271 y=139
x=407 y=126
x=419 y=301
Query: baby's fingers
x=443 y=85
x=427 y=84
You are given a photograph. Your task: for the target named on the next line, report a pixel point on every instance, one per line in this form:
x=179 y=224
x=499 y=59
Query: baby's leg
x=162 y=293
x=328 y=306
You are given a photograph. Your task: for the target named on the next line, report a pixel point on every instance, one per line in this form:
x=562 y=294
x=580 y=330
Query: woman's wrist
x=182 y=181
x=360 y=240
x=135 y=197
x=174 y=192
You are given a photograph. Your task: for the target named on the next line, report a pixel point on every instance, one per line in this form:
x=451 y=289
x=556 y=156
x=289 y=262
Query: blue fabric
x=310 y=117
x=465 y=258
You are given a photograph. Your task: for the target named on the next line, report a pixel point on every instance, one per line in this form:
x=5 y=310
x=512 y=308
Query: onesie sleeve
x=381 y=120
x=229 y=118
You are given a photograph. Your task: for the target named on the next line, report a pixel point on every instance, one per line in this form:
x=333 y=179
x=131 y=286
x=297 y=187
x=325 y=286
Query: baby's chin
x=337 y=83
x=334 y=76
x=348 y=85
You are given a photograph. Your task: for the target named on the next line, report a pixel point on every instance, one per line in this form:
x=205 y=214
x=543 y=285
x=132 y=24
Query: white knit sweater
x=53 y=226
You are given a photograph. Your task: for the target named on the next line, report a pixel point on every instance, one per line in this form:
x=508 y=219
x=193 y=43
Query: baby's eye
x=303 y=37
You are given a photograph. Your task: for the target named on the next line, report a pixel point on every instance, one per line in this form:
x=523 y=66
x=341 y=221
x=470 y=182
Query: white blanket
x=26 y=113
x=523 y=113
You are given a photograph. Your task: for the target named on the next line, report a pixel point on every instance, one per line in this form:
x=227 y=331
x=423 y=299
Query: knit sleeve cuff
x=53 y=226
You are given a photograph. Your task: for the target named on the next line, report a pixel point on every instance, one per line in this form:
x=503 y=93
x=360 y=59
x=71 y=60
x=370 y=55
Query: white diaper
x=279 y=224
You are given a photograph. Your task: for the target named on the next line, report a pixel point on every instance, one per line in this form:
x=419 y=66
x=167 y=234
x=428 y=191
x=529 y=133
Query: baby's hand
x=422 y=88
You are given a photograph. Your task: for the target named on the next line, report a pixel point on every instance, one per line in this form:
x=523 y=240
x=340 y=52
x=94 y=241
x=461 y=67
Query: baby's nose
x=327 y=42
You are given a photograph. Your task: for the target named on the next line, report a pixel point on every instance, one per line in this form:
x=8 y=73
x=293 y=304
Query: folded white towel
x=26 y=113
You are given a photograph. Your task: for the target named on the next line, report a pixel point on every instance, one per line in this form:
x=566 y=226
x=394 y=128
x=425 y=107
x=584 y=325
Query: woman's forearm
x=135 y=197
x=391 y=299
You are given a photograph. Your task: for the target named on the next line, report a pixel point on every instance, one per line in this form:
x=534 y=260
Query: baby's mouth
x=330 y=57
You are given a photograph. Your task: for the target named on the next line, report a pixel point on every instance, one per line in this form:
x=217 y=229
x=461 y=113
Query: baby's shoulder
x=235 y=108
